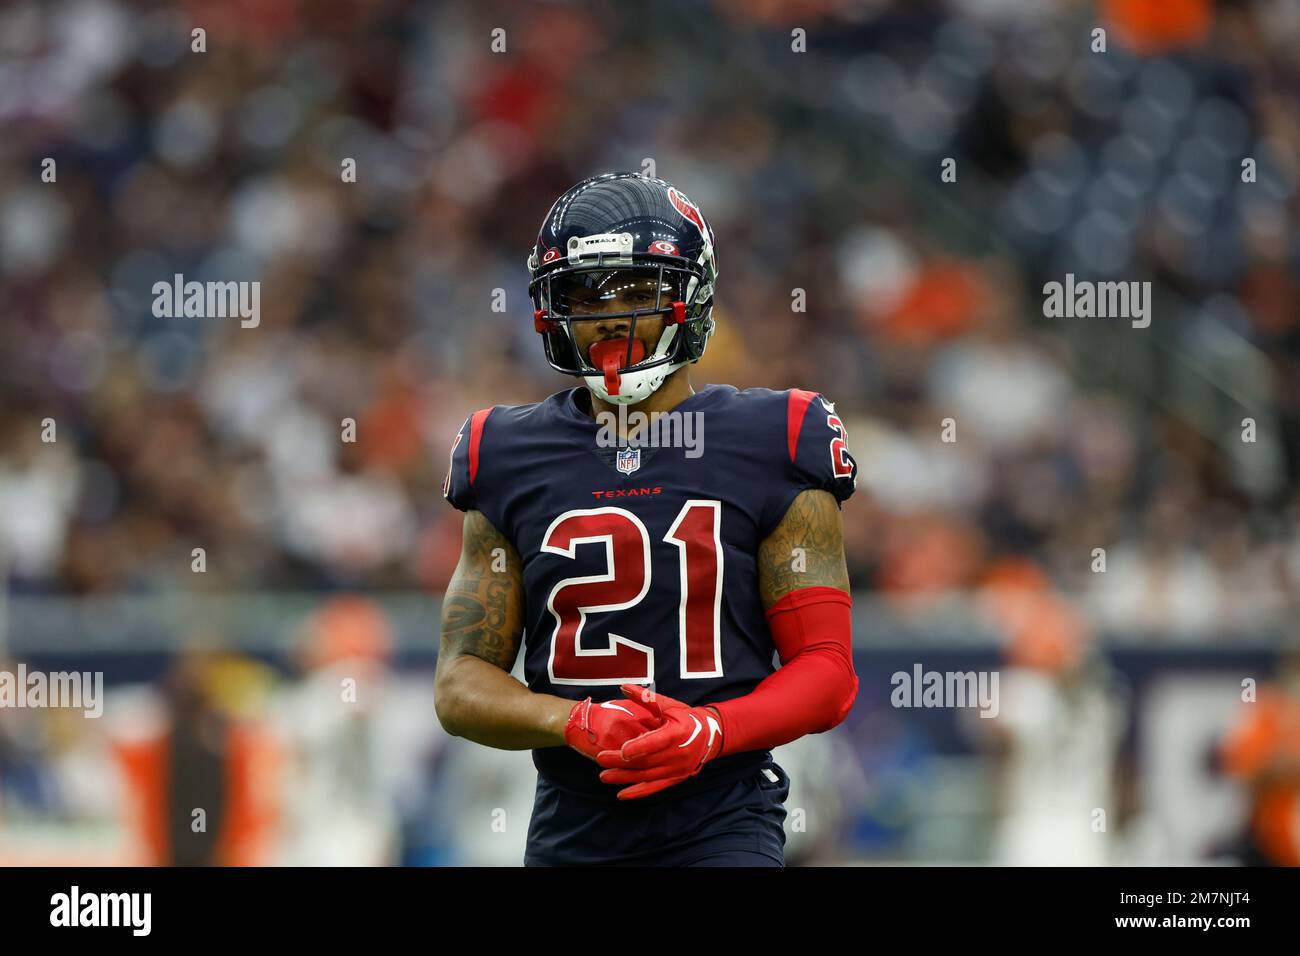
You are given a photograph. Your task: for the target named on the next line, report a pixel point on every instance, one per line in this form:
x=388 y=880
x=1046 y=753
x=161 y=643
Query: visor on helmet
x=600 y=293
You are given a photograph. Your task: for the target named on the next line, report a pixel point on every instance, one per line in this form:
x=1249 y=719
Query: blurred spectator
x=1263 y=752
x=1061 y=725
x=201 y=779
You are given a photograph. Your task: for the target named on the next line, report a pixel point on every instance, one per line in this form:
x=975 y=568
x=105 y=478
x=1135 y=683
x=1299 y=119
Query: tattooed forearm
x=468 y=628
x=482 y=627
x=482 y=613
x=805 y=550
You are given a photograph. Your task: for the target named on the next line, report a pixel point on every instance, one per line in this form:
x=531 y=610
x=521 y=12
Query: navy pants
x=737 y=823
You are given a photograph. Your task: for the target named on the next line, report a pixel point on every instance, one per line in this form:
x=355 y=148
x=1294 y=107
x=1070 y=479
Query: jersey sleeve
x=460 y=486
x=819 y=446
x=816 y=453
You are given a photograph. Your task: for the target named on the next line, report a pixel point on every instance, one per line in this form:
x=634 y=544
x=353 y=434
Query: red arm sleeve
x=815 y=686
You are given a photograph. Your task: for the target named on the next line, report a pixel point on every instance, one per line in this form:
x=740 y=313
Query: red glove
x=592 y=728
x=658 y=759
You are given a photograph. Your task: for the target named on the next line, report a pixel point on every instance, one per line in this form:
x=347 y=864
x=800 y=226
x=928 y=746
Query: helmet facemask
x=666 y=286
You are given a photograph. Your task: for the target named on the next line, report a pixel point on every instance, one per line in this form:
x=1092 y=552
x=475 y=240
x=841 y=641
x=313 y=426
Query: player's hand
x=592 y=727
x=688 y=739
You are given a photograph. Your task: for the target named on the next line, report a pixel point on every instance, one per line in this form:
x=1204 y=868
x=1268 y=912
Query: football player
x=653 y=585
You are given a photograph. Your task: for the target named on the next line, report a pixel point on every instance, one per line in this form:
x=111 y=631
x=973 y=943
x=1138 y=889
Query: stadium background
x=819 y=171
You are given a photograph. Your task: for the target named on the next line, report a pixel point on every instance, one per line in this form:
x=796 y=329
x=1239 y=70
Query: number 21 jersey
x=640 y=562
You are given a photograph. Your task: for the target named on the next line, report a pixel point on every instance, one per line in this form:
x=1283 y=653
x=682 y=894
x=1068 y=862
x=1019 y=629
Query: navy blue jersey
x=640 y=563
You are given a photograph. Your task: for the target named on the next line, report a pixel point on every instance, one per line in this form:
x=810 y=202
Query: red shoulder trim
x=475 y=438
x=800 y=399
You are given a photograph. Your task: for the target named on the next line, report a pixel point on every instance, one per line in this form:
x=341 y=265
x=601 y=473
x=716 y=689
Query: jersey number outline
x=696 y=533
x=451 y=460
x=841 y=460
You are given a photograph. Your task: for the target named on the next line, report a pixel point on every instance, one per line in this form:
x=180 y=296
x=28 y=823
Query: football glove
x=593 y=727
x=660 y=758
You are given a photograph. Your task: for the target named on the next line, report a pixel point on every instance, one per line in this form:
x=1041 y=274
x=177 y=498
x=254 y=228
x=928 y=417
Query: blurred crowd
x=818 y=171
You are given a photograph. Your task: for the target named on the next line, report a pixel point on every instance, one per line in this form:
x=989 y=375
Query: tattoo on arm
x=482 y=614
x=811 y=524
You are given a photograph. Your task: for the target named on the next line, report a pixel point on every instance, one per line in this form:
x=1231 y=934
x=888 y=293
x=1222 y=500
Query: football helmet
x=606 y=234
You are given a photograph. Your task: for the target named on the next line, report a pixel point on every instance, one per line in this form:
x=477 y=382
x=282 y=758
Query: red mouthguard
x=608 y=356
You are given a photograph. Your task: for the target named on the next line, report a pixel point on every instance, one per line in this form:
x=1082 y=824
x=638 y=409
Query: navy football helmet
x=605 y=233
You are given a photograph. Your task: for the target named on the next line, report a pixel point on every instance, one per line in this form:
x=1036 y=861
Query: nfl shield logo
x=629 y=460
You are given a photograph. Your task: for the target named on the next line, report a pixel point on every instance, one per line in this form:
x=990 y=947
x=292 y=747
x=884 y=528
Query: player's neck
x=675 y=390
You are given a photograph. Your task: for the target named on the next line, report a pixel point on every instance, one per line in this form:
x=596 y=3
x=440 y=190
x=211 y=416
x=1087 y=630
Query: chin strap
x=629 y=388
x=633 y=387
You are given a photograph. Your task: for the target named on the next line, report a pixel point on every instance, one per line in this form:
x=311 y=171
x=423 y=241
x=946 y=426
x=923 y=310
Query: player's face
x=614 y=294
x=603 y=293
